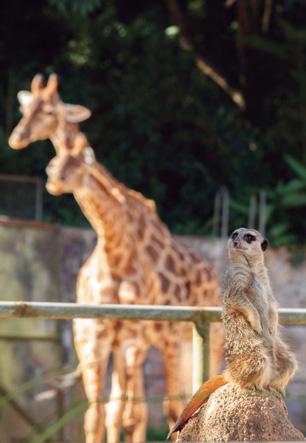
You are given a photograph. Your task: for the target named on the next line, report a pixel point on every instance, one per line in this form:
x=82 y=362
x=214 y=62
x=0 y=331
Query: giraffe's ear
x=25 y=98
x=76 y=113
x=89 y=155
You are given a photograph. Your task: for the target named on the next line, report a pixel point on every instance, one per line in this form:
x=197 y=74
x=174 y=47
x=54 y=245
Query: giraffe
x=45 y=116
x=154 y=268
x=160 y=270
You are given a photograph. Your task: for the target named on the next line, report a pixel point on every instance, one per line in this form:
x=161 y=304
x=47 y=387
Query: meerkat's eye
x=234 y=235
x=249 y=238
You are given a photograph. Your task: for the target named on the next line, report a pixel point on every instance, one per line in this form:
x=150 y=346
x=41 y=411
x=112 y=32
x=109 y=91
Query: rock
x=235 y=414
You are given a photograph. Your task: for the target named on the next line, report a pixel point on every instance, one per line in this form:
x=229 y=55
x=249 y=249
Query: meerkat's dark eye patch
x=249 y=238
x=234 y=235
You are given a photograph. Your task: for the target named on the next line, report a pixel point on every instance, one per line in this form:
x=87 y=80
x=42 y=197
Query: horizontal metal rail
x=20 y=178
x=200 y=317
x=69 y=311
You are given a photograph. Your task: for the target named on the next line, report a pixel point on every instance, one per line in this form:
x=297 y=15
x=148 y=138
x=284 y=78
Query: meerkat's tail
x=197 y=400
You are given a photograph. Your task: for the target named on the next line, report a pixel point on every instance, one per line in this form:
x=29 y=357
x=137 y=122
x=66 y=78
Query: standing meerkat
x=256 y=357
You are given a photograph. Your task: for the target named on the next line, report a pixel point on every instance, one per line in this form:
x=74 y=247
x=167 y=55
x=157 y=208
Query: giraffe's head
x=43 y=113
x=67 y=172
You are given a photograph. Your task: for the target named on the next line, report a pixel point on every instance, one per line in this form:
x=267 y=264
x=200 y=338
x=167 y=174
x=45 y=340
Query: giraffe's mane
x=127 y=192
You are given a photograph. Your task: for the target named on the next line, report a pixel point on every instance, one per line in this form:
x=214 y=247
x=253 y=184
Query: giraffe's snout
x=55 y=171
x=19 y=138
x=54 y=187
x=50 y=169
x=56 y=177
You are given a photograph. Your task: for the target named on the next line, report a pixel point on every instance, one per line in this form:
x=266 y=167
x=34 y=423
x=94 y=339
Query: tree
x=187 y=95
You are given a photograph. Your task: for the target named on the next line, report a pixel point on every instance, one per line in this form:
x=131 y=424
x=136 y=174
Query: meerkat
x=256 y=357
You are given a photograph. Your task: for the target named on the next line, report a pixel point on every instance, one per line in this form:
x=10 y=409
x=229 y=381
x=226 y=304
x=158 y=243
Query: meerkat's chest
x=259 y=291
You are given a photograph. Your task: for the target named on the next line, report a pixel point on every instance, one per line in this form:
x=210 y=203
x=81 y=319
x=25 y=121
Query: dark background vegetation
x=159 y=123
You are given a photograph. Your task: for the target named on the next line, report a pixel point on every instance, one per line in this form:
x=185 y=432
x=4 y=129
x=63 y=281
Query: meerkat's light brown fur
x=256 y=356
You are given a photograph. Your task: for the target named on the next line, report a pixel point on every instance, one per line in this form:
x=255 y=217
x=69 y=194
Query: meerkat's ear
x=264 y=244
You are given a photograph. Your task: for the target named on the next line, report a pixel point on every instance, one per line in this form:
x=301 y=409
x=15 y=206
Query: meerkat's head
x=247 y=243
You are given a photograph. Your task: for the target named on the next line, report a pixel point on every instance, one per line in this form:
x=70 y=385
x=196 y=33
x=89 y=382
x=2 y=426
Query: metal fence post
x=39 y=200
x=200 y=354
x=221 y=213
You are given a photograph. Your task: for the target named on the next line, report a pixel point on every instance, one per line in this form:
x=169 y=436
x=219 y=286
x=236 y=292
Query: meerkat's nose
x=235 y=243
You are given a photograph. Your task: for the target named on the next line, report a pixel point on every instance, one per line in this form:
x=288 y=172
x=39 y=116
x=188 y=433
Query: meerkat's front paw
x=257 y=327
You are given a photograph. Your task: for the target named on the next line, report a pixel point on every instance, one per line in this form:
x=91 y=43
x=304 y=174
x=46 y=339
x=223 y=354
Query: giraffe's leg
x=115 y=407
x=135 y=413
x=173 y=405
x=216 y=346
x=93 y=352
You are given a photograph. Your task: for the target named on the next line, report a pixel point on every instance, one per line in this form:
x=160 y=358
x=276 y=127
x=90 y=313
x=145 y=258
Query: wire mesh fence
x=21 y=197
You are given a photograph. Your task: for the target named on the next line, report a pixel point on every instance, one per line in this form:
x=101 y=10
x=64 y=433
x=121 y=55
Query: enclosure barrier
x=200 y=317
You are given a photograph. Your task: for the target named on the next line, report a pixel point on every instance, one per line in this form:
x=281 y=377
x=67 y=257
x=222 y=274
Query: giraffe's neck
x=68 y=136
x=102 y=201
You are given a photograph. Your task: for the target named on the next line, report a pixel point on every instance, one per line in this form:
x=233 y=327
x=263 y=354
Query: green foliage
x=283 y=201
x=76 y=6
x=158 y=123
x=299 y=169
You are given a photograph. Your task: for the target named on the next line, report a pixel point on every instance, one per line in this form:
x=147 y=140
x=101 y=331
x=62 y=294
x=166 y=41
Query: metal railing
x=200 y=317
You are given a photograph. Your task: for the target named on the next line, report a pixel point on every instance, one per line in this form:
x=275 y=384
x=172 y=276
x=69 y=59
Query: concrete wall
x=30 y=256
